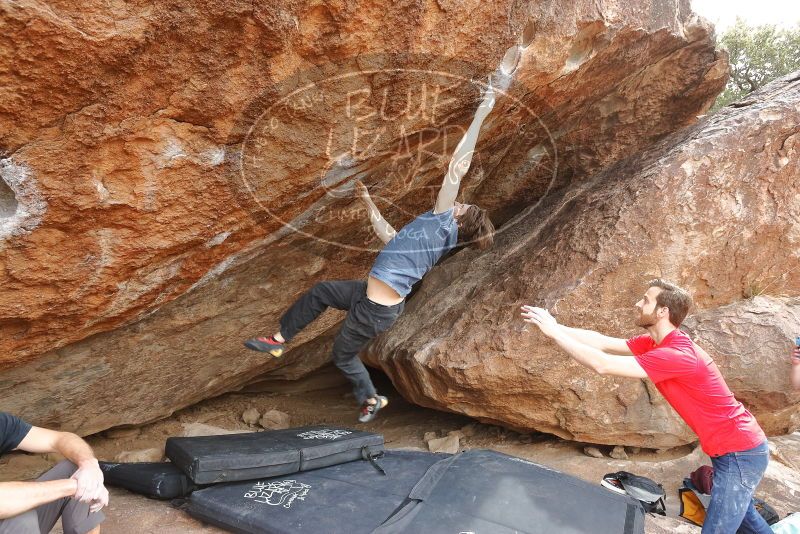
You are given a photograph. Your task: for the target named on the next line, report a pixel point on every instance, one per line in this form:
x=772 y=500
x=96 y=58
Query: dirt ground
x=403 y=426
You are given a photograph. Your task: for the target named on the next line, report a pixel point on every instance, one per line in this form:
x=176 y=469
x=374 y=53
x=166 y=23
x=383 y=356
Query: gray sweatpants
x=75 y=516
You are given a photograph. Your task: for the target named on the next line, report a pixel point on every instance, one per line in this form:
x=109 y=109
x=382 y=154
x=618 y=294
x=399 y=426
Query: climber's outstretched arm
x=382 y=228
x=462 y=158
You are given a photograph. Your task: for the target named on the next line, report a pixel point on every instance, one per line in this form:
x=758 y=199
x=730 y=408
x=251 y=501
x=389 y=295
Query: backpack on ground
x=769 y=513
x=694 y=504
x=649 y=493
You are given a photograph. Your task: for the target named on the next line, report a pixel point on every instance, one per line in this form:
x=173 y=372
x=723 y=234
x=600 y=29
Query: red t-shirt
x=691 y=382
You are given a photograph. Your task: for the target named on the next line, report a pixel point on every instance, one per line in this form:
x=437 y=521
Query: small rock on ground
x=143 y=455
x=275 y=420
x=594 y=452
x=457 y=433
x=619 y=453
x=448 y=444
x=201 y=429
x=251 y=416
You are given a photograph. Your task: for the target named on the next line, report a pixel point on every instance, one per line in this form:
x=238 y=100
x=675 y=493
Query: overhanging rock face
x=173 y=195
x=713 y=207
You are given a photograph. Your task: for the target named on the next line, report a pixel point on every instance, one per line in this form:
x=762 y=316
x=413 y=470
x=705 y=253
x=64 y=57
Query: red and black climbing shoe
x=369 y=411
x=265 y=344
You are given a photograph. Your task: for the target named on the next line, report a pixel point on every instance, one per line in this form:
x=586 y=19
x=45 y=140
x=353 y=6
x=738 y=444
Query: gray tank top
x=415 y=249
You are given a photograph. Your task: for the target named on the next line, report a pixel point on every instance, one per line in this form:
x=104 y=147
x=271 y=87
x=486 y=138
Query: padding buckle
x=372 y=458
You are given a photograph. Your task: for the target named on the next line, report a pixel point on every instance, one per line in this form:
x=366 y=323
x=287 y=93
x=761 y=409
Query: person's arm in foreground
x=86 y=485
x=19 y=497
x=382 y=228
x=462 y=157
x=586 y=355
x=796 y=368
x=610 y=345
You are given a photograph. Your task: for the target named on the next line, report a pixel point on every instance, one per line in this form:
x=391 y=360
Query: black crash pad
x=479 y=491
x=159 y=480
x=253 y=455
x=483 y=491
x=348 y=498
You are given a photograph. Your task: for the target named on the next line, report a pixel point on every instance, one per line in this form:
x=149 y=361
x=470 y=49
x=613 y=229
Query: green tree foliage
x=758 y=55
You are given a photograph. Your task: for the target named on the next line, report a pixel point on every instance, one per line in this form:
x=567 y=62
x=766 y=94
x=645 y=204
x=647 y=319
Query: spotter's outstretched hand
x=541 y=318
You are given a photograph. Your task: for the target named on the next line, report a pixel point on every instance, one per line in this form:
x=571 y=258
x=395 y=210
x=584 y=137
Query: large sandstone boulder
x=174 y=194
x=714 y=207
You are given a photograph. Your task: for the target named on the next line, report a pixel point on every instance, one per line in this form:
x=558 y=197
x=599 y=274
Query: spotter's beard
x=646 y=320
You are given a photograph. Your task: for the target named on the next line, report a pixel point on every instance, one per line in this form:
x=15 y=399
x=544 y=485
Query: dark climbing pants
x=365 y=320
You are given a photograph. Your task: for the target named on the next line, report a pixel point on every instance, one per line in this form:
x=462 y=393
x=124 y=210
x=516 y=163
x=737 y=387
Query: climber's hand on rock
x=541 y=318
x=361 y=190
x=488 y=101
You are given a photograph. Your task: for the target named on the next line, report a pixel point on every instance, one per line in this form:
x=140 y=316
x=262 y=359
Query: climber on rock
x=796 y=366
x=72 y=490
x=691 y=382
x=375 y=304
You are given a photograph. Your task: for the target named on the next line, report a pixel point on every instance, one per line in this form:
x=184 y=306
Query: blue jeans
x=736 y=476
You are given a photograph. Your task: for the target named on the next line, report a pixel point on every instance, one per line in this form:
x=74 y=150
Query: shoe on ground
x=369 y=411
x=265 y=344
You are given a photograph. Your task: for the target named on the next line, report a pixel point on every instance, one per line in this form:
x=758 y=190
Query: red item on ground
x=703 y=478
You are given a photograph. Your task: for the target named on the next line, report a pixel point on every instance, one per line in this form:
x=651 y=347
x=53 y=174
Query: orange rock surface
x=713 y=207
x=175 y=175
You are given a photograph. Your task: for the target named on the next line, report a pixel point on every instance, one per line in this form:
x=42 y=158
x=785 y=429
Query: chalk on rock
x=594 y=452
x=143 y=455
x=448 y=444
x=619 y=453
x=251 y=416
x=274 y=420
